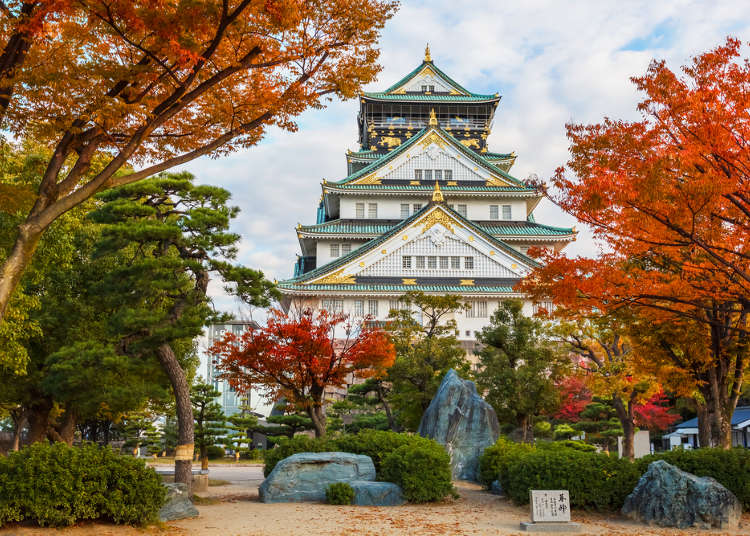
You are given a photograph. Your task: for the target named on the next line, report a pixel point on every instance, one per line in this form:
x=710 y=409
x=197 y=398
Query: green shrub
x=339 y=493
x=215 y=452
x=423 y=471
x=730 y=467
x=495 y=459
x=566 y=444
x=286 y=447
x=377 y=444
x=542 y=429
x=58 y=485
x=564 y=431
x=595 y=481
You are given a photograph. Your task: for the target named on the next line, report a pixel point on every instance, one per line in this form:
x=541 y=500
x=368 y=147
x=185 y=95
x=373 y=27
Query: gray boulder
x=496 y=488
x=305 y=476
x=458 y=418
x=178 y=505
x=376 y=493
x=669 y=497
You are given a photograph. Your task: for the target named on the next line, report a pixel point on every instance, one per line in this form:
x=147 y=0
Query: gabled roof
x=422 y=134
x=457 y=93
x=374 y=243
x=378 y=227
x=741 y=414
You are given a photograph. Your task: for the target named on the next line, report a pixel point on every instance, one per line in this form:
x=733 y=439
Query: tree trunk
x=204 y=458
x=625 y=416
x=20 y=423
x=704 y=425
x=65 y=432
x=318 y=419
x=183 y=459
x=392 y=424
x=15 y=264
x=39 y=423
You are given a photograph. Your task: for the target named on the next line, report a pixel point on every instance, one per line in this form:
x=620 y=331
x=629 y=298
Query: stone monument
x=550 y=512
x=459 y=419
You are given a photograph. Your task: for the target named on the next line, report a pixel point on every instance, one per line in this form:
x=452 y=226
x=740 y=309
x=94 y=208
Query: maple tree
x=574 y=397
x=668 y=197
x=298 y=355
x=155 y=84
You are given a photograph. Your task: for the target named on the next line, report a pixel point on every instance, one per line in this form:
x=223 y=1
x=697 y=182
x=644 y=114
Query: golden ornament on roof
x=437 y=195
x=433 y=118
x=427 y=56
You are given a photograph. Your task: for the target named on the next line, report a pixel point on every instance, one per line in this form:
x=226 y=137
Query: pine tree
x=242 y=426
x=210 y=422
x=173 y=234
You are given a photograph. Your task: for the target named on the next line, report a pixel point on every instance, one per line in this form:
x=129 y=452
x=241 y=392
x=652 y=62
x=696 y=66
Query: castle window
x=334 y=251
x=359 y=308
x=420 y=263
x=360 y=210
x=428 y=174
x=461 y=210
x=506 y=212
x=432 y=89
x=406 y=262
x=494 y=212
x=372 y=307
x=346 y=249
x=468 y=263
x=478 y=310
x=418 y=174
x=372 y=210
x=416 y=207
x=431 y=262
x=455 y=263
x=448 y=174
x=443 y=263
x=404 y=210
x=438 y=174
x=424 y=89
x=332 y=306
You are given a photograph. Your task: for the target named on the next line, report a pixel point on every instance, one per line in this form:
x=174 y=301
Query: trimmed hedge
x=339 y=493
x=425 y=462
x=58 y=485
x=215 y=452
x=595 y=481
x=496 y=458
x=730 y=467
x=423 y=472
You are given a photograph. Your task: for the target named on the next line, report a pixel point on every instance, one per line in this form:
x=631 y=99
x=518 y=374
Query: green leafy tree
x=241 y=426
x=519 y=365
x=209 y=419
x=426 y=348
x=173 y=234
x=137 y=428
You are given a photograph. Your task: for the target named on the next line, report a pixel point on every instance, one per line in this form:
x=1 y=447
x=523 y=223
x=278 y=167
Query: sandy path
x=237 y=511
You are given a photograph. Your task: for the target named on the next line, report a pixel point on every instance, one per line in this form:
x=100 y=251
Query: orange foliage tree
x=151 y=84
x=668 y=196
x=298 y=356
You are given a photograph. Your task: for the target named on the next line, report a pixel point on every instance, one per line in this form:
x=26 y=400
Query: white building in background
x=230 y=401
x=425 y=206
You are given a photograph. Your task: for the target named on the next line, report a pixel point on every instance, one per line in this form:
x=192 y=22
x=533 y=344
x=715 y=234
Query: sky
x=553 y=62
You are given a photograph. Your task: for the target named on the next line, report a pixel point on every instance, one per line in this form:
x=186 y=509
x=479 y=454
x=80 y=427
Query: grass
x=217 y=482
x=197 y=499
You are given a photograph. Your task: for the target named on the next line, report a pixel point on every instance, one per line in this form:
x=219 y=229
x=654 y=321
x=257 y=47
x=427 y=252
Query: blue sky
x=553 y=62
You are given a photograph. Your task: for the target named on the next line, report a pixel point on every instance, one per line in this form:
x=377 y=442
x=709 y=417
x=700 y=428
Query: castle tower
x=424 y=206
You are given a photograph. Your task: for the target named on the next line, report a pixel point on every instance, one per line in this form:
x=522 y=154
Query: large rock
x=376 y=493
x=178 y=505
x=459 y=419
x=305 y=476
x=670 y=497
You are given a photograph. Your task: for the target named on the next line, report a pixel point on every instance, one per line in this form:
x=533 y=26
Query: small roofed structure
x=685 y=435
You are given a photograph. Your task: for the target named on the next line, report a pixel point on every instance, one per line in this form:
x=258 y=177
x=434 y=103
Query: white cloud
x=553 y=62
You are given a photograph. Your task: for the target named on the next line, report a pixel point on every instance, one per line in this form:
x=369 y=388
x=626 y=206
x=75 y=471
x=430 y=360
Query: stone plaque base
x=530 y=526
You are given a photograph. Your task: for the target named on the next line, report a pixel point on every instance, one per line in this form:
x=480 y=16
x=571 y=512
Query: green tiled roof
x=463 y=289
x=498 y=156
x=445 y=77
x=349 y=227
x=408 y=143
x=429 y=98
x=317 y=272
x=428 y=188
